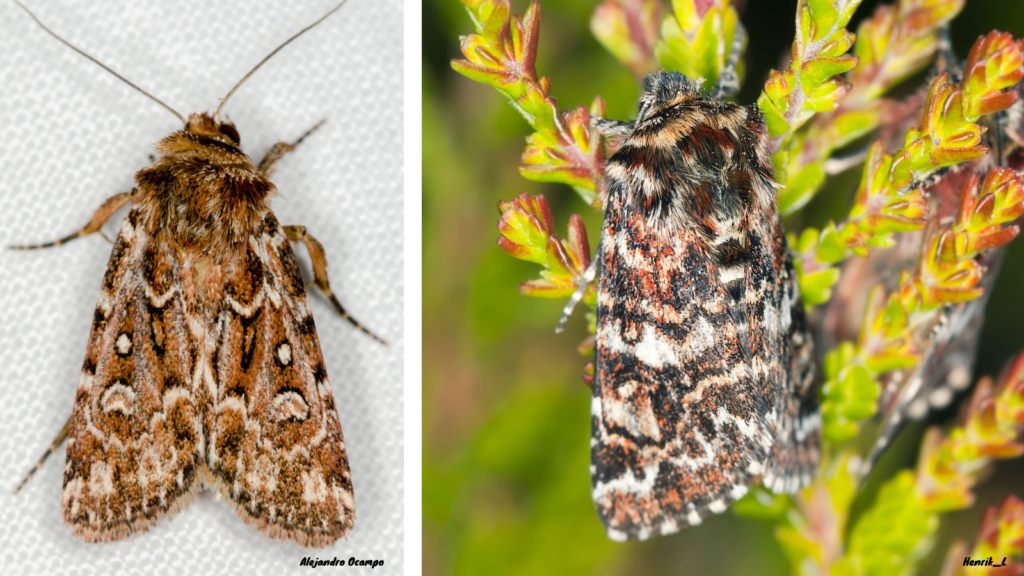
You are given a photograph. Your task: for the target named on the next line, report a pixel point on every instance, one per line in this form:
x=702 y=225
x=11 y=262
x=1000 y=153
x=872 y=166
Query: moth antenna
x=98 y=63
x=216 y=115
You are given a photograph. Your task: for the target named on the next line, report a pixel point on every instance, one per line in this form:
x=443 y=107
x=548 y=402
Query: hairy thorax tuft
x=203 y=194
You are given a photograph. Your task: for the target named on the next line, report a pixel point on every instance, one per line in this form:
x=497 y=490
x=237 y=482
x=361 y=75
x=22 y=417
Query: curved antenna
x=216 y=115
x=100 y=64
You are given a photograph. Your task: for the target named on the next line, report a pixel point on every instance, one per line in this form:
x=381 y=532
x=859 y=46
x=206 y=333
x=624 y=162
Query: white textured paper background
x=71 y=135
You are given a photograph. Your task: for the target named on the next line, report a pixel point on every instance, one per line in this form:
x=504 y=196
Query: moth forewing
x=702 y=368
x=203 y=366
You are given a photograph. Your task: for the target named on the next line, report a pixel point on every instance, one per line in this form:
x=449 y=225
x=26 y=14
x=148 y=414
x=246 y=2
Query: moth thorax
x=208 y=198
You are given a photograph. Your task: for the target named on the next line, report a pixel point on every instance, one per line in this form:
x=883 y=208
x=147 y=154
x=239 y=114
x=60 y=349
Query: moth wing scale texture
x=797 y=449
x=135 y=446
x=694 y=358
x=276 y=446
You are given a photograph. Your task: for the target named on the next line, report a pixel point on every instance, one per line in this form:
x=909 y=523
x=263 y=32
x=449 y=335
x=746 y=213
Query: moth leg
x=99 y=218
x=577 y=295
x=53 y=446
x=280 y=149
x=316 y=253
x=728 y=83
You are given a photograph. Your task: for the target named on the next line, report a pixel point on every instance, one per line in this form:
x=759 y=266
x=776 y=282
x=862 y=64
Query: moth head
x=664 y=90
x=203 y=124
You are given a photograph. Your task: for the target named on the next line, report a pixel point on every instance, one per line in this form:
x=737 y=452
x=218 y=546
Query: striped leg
x=102 y=214
x=728 y=83
x=581 y=290
x=53 y=446
x=280 y=149
x=316 y=253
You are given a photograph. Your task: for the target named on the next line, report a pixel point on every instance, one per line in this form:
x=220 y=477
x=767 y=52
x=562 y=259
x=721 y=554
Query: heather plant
x=916 y=251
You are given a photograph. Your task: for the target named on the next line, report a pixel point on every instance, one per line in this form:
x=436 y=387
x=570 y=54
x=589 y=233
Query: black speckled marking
x=690 y=367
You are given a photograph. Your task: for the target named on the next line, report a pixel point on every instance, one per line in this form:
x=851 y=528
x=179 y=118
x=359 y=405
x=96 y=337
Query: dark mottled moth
x=203 y=366
x=703 y=371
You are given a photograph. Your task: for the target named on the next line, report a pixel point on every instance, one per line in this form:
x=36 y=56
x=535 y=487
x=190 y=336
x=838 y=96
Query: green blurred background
x=506 y=414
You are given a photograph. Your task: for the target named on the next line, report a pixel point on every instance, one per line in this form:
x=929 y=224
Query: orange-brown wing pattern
x=276 y=447
x=136 y=432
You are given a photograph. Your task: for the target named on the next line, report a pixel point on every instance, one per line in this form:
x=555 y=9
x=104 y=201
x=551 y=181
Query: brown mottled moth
x=703 y=372
x=203 y=366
